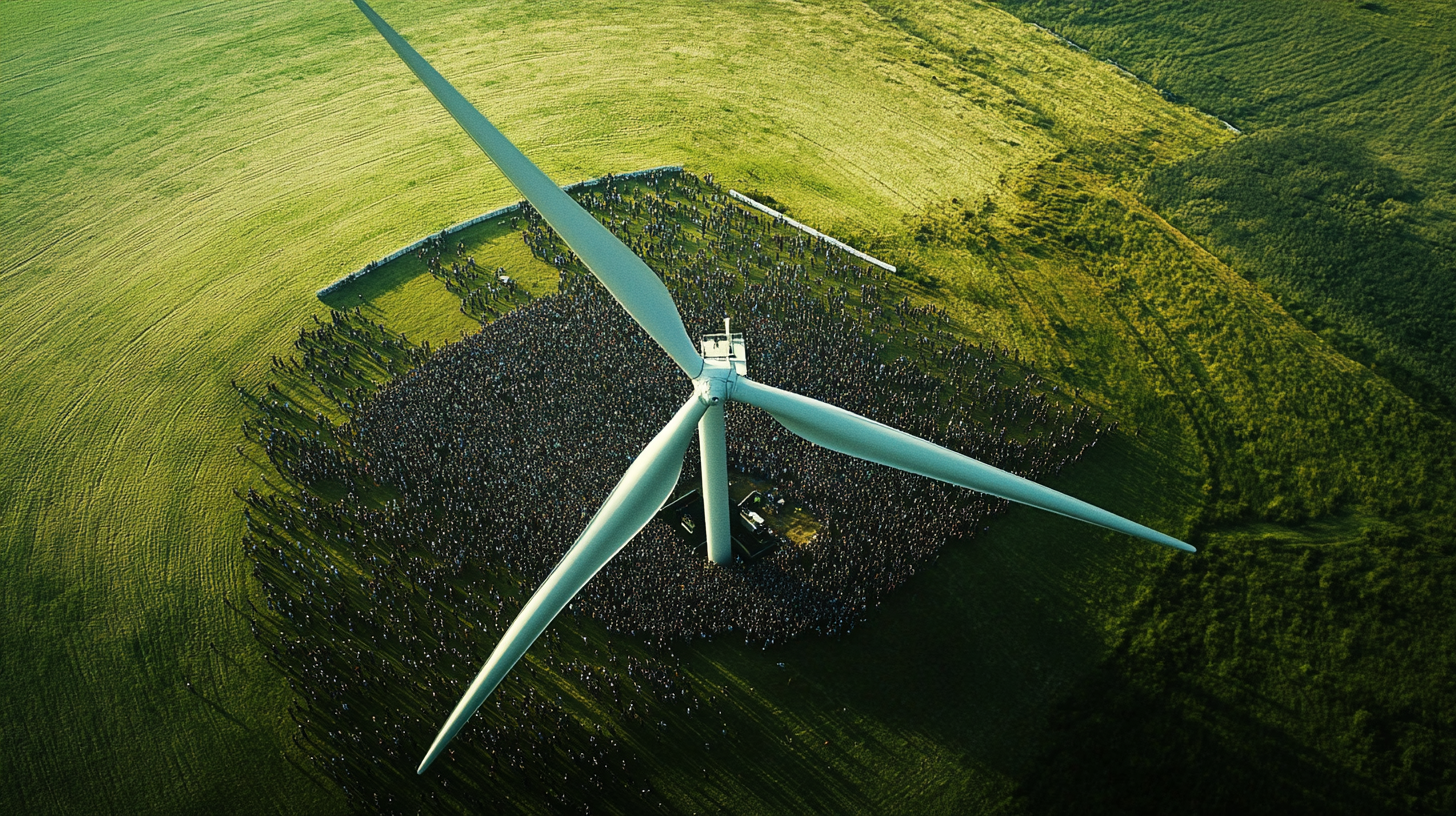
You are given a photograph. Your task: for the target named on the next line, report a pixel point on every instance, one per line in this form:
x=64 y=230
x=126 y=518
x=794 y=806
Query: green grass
x=1206 y=703
x=411 y=301
x=1263 y=702
x=178 y=181
x=1381 y=76
x=1343 y=201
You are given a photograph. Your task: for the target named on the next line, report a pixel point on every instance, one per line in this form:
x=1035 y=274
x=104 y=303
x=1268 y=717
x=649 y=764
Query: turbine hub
x=715 y=385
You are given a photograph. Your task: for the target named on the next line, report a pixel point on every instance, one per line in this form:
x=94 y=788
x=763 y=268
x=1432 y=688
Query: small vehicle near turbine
x=719 y=373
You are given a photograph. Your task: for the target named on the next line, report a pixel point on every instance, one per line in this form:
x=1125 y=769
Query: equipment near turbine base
x=685 y=515
x=719 y=374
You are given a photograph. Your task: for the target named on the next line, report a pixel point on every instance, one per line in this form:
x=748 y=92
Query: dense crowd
x=379 y=639
x=518 y=433
x=465 y=472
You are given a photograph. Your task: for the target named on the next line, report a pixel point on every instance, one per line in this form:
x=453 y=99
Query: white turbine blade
x=633 y=503
x=849 y=433
x=630 y=281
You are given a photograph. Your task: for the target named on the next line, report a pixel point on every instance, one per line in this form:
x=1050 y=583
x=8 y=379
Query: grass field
x=178 y=181
x=1343 y=202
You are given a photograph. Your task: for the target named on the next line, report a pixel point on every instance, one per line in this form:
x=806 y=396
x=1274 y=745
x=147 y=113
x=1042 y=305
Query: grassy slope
x=177 y=182
x=1343 y=201
x=1381 y=75
x=1300 y=668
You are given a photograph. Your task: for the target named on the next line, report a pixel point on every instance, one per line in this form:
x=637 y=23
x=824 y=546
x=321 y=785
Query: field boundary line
x=810 y=230
x=1070 y=43
x=480 y=219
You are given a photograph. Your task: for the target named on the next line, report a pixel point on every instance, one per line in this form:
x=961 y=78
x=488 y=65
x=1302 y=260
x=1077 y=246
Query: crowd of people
x=379 y=639
x=490 y=455
x=518 y=433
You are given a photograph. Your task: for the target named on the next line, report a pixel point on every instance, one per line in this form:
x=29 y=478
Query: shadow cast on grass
x=974 y=651
x=381 y=281
x=1118 y=745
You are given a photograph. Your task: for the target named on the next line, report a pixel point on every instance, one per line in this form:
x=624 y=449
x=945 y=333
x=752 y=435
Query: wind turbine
x=718 y=376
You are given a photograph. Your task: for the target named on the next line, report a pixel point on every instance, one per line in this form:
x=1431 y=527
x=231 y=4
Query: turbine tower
x=718 y=374
x=724 y=352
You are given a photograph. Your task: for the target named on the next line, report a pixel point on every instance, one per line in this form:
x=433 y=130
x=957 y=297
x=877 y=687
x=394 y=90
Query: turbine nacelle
x=725 y=359
x=716 y=382
x=727 y=348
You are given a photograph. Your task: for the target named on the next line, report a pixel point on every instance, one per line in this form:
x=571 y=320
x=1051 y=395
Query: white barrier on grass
x=480 y=219
x=810 y=230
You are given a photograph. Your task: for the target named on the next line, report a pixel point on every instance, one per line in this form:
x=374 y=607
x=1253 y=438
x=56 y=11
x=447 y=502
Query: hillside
x=1297 y=672
x=1343 y=200
x=179 y=180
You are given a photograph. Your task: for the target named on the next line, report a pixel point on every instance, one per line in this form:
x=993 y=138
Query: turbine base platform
x=685 y=515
